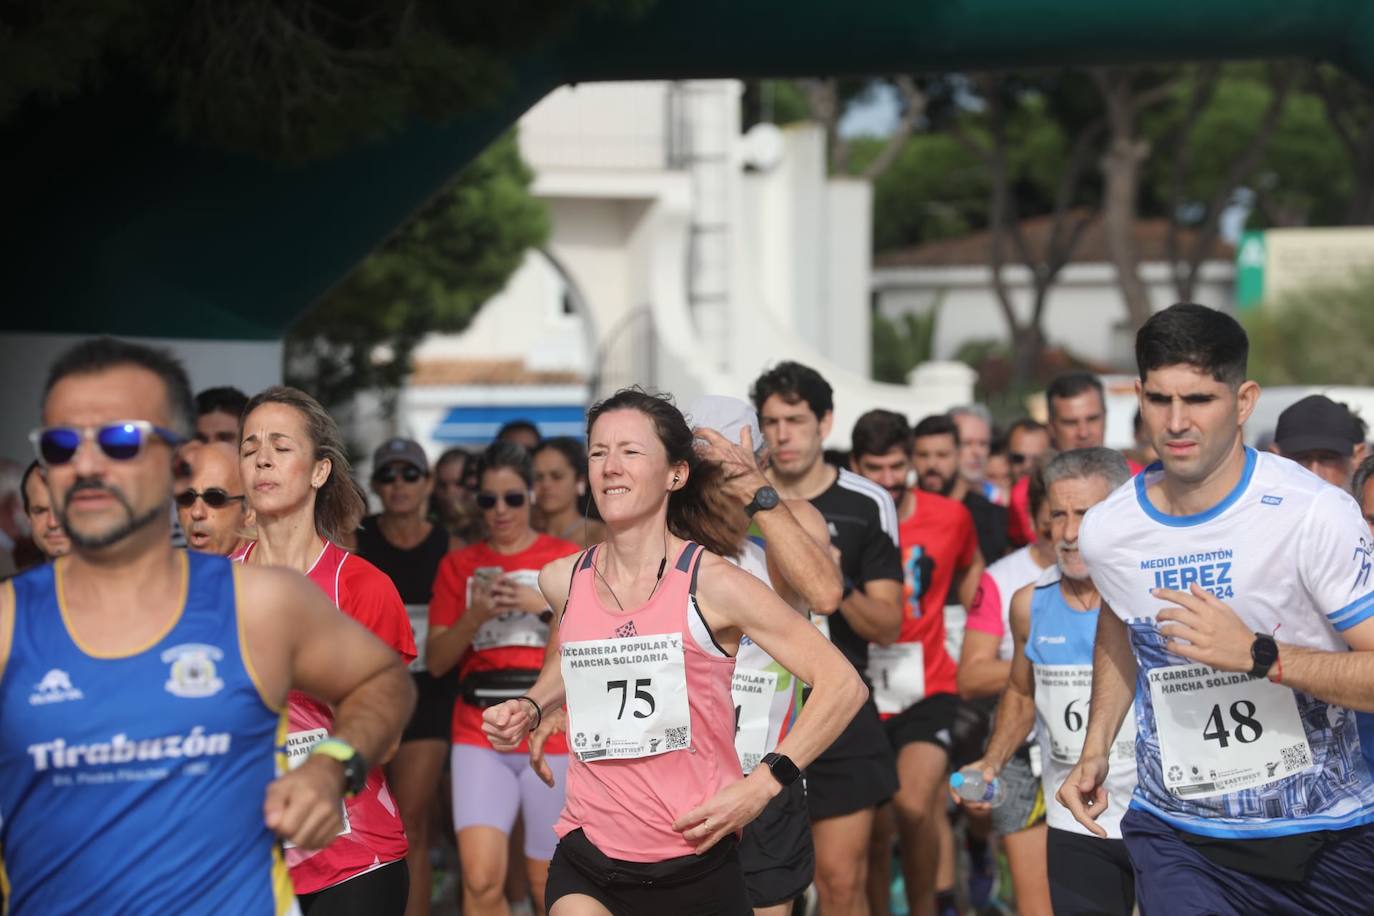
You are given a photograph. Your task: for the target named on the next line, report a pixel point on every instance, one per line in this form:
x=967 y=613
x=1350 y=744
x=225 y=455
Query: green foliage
x=934 y=190
x=431 y=275
x=281 y=79
x=902 y=345
x=1320 y=336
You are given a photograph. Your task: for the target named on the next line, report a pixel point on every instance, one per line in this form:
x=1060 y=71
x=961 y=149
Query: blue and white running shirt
x=1219 y=753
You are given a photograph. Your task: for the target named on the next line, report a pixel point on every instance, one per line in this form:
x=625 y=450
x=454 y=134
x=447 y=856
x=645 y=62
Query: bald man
x=210 y=500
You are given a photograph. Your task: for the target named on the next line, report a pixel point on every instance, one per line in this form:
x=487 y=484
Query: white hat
x=726 y=416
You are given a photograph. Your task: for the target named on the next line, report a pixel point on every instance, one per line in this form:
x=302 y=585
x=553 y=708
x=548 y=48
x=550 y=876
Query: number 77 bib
x=626 y=697
x=1221 y=732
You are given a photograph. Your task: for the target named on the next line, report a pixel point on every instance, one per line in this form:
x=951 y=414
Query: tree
x=903 y=344
x=1349 y=107
x=1318 y=336
x=431 y=275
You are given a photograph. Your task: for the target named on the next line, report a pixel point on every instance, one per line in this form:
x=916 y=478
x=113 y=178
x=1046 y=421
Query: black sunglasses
x=514 y=498
x=214 y=497
x=409 y=473
x=1017 y=457
x=122 y=440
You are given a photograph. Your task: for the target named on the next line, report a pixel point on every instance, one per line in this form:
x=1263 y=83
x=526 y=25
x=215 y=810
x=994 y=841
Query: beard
x=132 y=521
x=935 y=482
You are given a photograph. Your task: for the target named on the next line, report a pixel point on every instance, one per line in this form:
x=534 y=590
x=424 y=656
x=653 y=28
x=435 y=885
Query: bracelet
x=1276 y=674
x=538 y=713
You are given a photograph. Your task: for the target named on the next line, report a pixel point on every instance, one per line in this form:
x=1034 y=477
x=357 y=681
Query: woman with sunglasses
x=403 y=543
x=298 y=483
x=489 y=620
x=649 y=627
x=560 y=492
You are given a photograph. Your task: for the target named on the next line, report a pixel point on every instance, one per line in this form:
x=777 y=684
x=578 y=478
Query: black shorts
x=433 y=717
x=858 y=771
x=775 y=852
x=706 y=885
x=1089 y=876
x=929 y=721
x=972 y=725
x=380 y=892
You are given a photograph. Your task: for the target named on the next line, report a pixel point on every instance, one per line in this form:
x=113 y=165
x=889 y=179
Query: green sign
x=1250 y=258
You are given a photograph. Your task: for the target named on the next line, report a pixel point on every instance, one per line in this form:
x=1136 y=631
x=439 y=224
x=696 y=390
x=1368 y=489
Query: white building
x=684 y=256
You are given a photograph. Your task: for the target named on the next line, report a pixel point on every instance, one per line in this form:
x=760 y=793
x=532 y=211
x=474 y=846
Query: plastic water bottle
x=970 y=786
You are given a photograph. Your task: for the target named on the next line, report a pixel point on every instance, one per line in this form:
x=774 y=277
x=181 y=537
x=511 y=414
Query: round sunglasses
x=214 y=497
x=513 y=498
x=409 y=473
x=122 y=440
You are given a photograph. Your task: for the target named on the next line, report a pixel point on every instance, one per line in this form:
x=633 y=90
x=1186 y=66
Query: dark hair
x=1071 y=385
x=101 y=353
x=879 y=432
x=1193 y=335
x=794 y=382
x=836 y=457
x=341 y=502
x=29 y=471
x=453 y=454
x=690 y=515
x=510 y=456
x=518 y=426
x=1025 y=424
x=937 y=424
x=570 y=449
x=1362 y=475
x=224 y=399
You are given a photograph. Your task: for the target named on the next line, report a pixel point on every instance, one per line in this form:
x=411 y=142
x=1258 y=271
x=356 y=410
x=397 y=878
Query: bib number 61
x=641 y=695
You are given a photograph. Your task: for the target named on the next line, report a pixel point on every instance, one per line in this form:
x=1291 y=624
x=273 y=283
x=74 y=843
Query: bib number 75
x=641 y=695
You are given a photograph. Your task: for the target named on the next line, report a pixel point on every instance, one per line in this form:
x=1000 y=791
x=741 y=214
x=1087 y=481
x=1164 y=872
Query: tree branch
x=913 y=108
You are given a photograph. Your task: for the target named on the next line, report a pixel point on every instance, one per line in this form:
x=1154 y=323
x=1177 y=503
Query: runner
x=560 y=492
x=975 y=445
x=655 y=795
x=297 y=479
x=1054 y=622
x=913 y=679
x=47 y=532
x=211 y=504
x=489 y=621
x=142 y=687
x=776 y=852
x=935 y=456
x=455 y=491
x=984 y=669
x=1239 y=586
x=404 y=544
x=218 y=411
x=857 y=773
x=1322 y=436
x=1362 y=487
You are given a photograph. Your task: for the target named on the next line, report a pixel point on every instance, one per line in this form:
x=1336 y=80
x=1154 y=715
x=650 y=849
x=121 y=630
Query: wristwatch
x=354 y=766
x=1264 y=652
x=765 y=498
x=782 y=768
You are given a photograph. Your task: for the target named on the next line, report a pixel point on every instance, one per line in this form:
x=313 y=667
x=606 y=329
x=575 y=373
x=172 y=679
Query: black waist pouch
x=488 y=688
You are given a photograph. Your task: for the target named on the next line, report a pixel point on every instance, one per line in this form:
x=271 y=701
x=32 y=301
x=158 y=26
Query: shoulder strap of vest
x=584 y=560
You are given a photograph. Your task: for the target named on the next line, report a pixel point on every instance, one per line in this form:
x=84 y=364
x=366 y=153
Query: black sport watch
x=1264 y=652
x=782 y=768
x=765 y=498
x=354 y=766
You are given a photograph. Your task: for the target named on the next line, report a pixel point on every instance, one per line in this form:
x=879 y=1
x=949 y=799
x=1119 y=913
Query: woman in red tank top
x=650 y=623
x=298 y=484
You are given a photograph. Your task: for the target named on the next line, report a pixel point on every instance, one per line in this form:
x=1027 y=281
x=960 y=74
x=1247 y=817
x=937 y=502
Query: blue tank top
x=134 y=784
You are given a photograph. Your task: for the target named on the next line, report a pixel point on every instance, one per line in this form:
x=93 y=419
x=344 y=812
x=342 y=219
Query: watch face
x=766 y=497
x=1265 y=651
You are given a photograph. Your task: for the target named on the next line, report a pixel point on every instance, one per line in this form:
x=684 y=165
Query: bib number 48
x=641 y=695
x=1248 y=729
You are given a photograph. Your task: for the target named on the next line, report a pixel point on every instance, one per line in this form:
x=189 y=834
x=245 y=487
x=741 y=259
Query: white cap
x=726 y=416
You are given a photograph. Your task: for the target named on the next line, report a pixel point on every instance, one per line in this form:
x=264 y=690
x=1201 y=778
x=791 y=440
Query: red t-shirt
x=374 y=833
x=512 y=641
x=937 y=539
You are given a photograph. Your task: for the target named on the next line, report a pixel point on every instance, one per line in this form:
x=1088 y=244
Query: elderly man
x=48 y=535
x=210 y=499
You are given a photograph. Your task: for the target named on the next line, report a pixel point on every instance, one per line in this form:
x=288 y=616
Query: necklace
x=1077 y=594
x=662 y=565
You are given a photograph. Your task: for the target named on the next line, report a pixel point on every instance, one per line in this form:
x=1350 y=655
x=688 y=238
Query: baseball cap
x=398 y=449
x=1316 y=423
x=726 y=416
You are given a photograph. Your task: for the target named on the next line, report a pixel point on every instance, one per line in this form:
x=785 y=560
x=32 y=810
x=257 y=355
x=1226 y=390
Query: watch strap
x=1260 y=667
x=355 y=769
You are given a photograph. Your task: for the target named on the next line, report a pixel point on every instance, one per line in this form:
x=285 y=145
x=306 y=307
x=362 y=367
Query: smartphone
x=484 y=577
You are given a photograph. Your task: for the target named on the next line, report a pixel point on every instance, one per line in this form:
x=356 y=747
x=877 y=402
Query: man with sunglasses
x=209 y=497
x=141 y=687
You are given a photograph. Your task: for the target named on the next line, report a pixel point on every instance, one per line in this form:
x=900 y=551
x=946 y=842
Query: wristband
x=538 y=713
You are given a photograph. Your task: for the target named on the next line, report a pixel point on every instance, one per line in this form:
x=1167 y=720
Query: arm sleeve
x=880 y=558
x=1335 y=559
x=450 y=597
x=374 y=602
x=986 y=614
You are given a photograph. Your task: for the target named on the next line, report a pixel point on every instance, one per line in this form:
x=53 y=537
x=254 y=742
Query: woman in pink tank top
x=650 y=623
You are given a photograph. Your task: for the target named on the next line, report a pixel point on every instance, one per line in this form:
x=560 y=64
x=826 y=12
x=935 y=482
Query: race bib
x=298 y=745
x=419 y=625
x=1221 y=732
x=1062 y=695
x=626 y=697
x=514 y=628
x=753 y=692
x=898 y=675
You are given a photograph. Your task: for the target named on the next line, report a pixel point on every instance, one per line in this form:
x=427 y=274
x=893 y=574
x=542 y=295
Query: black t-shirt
x=990 y=524
x=412 y=570
x=863 y=525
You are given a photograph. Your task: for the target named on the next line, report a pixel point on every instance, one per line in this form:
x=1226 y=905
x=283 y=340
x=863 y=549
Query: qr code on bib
x=675 y=739
x=749 y=761
x=1295 y=757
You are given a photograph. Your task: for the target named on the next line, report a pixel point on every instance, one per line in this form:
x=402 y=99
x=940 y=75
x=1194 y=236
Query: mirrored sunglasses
x=122 y=440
